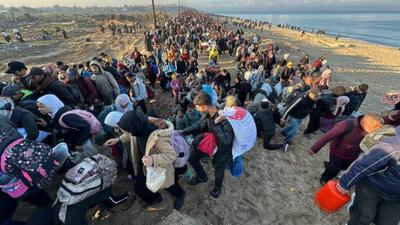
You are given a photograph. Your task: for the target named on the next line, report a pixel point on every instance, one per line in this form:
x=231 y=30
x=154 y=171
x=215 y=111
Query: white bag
x=155 y=178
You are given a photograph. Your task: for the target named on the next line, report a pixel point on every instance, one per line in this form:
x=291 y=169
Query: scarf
x=52 y=102
x=122 y=100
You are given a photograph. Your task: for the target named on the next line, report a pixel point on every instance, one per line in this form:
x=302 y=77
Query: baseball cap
x=34 y=71
x=14 y=66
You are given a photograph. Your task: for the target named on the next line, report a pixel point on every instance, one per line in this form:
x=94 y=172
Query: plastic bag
x=156 y=177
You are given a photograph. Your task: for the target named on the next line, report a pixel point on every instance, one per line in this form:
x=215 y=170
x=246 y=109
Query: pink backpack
x=95 y=125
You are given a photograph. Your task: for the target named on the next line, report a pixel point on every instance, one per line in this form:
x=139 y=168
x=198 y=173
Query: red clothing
x=344 y=147
x=88 y=90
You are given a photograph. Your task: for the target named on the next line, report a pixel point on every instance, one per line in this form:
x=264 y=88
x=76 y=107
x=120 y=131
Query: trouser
x=142 y=105
x=335 y=165
x=313 y=123
x=148 y=196
x=293 y=127
x=8 y=205
x=267 y=142
x=373 y=206
x=219 y=168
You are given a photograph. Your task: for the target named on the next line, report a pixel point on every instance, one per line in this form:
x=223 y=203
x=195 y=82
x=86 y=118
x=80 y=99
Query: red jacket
x=344 y=147
x=88 y=90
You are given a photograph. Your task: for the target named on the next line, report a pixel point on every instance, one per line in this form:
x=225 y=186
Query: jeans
x=292 y=128
x=373 y=206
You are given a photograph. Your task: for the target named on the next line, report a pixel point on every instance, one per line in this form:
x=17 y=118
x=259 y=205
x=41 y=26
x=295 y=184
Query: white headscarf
x=52 y=102
x=123 y=99
x=113 y=118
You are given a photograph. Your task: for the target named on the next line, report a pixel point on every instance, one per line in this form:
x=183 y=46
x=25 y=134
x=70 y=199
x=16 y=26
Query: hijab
x=52 y=102
x=136 y=123
x=341 y=103
x=121 y=100
x=113 y=118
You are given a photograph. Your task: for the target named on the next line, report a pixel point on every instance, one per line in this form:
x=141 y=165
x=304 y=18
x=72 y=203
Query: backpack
x=75 y=93
x=181 y=147
x=95 y=125
x=25 y=164
x=89 y=177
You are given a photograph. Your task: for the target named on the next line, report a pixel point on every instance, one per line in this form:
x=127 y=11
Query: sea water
x=379 y=28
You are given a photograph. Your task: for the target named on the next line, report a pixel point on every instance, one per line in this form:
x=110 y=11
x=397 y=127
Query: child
x=181 y=122
x=192 y=115
x=176 y=85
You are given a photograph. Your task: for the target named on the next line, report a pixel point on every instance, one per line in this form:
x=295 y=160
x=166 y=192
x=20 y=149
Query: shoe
x=285 y=147
x=129 y=202
x=159 y=199
x=197 y=180
x=179 y=201
x=215 y=192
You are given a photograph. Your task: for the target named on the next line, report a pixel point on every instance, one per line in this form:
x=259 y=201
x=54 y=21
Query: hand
x=147 y=161
x=41 y=122
x=111 y=142
x=311 y=152
x=160 y=123
x=342 y=190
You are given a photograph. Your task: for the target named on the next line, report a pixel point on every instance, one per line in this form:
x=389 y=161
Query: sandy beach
x=276 y=188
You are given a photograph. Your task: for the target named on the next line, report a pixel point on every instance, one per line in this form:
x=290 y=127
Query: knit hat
x=10 y=90
x=230 y=101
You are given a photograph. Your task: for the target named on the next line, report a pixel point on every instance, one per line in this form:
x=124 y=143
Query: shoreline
x=308 y=30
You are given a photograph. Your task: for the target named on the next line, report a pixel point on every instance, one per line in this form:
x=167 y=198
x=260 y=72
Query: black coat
x=51 y=85
x=23 y=118
x=356 y=99
x=223 y=132
x=79 y=130
x=266 y=119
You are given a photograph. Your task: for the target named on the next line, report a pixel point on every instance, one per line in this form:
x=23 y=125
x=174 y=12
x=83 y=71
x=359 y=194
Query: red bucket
x=329 y=199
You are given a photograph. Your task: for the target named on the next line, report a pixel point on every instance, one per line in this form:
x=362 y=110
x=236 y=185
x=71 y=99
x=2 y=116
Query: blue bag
x=236 y=166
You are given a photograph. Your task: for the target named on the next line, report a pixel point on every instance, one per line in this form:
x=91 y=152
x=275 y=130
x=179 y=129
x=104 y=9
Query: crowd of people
x=63 y=118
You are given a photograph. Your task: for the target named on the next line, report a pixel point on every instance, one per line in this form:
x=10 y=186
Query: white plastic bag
x=156 y=177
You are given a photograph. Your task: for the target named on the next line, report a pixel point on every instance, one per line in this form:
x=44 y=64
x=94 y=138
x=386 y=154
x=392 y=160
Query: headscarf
x=52 y=102
x=6 y=107
x=72 y=74
x=123 y=99
x=113 y=118
x=341 y=103
x=326 y=78
x=135 y=123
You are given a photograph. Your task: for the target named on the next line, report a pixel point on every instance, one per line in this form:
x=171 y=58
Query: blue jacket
x=380 y=166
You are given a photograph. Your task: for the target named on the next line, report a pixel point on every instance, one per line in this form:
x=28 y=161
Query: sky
x=232 y=5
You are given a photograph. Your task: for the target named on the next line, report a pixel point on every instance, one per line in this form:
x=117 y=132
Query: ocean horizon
x=378 y=28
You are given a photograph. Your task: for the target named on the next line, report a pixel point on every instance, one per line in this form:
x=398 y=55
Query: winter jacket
x=139 y=90
x=356 y=99
x=343 y=144
x=51 y=85
x=107 y=86
x=266 y=119
x=160 y=148
x=23 y=118
x=299 y=107
x=380 y=167
x=193 y=117
x=87 y=89
x=79 y=131
x=223 y=132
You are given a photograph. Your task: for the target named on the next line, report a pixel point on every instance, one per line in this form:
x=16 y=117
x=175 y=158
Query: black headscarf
x=136 y=123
